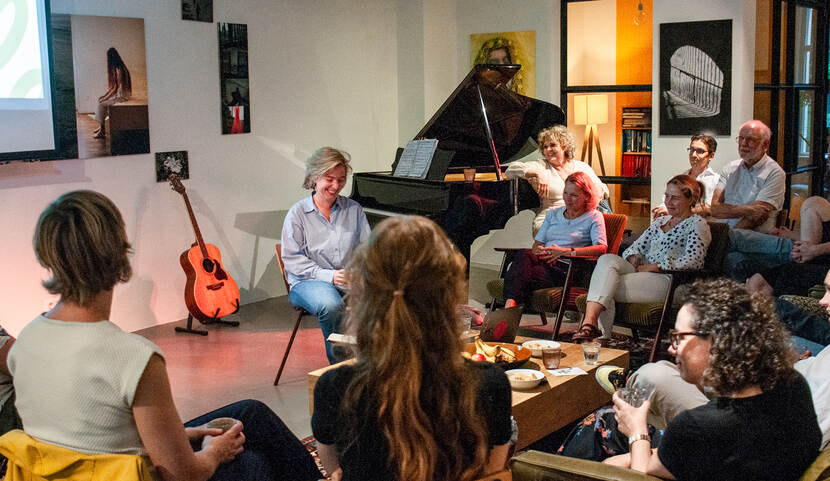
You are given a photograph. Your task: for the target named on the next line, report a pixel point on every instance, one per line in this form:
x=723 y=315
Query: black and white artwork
x=695 y=77
x=172 y=163
x=199 y=10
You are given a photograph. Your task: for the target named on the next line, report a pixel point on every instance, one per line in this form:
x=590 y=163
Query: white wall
x=322 y=72
x=668 y=152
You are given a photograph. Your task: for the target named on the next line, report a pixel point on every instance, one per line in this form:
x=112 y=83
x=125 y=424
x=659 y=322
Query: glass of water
x=636 y=393
x=590 y=352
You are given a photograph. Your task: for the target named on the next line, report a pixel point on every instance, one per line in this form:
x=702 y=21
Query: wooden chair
x=300 y=313
x=558 y=299
x=656 y=315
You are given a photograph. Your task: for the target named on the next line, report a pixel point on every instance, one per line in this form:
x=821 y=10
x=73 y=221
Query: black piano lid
x=459 y=126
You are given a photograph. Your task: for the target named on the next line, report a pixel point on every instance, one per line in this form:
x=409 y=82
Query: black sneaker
x=611 y=378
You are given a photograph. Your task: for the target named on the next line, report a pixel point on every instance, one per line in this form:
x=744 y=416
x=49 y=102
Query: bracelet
x=638 y=437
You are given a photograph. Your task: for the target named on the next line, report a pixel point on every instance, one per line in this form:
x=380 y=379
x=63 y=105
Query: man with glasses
x=751 y=189
x=701 y=151
x=748 y=196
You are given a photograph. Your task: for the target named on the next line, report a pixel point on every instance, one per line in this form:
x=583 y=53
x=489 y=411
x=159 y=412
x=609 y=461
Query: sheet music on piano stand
x=416 y=159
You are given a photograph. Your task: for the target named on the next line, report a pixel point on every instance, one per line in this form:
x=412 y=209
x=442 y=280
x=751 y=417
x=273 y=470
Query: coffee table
x=554 y=403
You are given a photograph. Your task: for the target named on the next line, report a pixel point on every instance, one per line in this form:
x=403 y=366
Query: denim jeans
x=324 y=300
x=751 y=252
x=271 y=451
x=802 y=324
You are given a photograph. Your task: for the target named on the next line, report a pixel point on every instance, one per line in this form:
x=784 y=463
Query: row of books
x=636 y=140
x=634 y=117
x=636 y=165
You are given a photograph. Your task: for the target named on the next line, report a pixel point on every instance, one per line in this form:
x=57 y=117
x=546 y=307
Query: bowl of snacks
x=524 y=378
x=537 y=345
x=503 y=354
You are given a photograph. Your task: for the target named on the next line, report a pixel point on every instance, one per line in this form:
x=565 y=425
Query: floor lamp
x=590 y=111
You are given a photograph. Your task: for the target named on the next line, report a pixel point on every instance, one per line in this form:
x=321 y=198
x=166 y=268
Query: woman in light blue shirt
x=319 y=235
x=577 y=228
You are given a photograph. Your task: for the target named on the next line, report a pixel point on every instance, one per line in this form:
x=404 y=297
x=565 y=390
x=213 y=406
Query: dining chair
x=300 y=313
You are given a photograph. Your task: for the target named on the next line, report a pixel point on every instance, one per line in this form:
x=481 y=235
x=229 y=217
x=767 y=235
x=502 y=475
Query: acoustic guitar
x=210 y=293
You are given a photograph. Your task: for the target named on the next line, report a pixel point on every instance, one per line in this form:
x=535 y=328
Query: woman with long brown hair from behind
x=410 y=408
x=119 y=88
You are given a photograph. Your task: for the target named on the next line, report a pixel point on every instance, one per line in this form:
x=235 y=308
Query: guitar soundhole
x=207 y=265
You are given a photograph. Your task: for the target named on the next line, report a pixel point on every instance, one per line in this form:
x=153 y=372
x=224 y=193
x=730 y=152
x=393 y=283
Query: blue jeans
x=802 y=324
x=271 y=451
x=751 y=252
x=325 y=301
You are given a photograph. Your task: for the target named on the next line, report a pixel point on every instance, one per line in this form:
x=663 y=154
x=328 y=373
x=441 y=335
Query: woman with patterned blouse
x=677 y=241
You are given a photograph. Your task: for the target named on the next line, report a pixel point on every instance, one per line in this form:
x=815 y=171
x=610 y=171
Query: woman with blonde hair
x=547 y=175
x=576 y=229
x=411 y=407
x=84 y=384
x=677 y=241
x=319 y=234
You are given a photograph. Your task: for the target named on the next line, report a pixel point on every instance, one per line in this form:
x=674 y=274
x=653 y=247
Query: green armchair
x=539 y=466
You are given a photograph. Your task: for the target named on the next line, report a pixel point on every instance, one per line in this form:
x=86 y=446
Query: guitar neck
x=199 y=239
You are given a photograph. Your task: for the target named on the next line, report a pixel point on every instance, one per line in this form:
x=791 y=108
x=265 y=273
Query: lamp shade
x=590 y=109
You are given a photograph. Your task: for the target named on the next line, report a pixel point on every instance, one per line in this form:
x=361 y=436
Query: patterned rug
x=311 y=445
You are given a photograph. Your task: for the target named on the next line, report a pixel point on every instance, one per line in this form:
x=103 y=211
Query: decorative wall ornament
x=233 y=73
x=172 y=163
x=695 y=77
x=508 y=48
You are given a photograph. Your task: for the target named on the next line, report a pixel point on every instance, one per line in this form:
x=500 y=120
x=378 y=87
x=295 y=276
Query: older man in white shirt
x=748 y=197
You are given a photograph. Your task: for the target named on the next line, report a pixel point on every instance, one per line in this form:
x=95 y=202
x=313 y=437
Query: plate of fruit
x=508 y=356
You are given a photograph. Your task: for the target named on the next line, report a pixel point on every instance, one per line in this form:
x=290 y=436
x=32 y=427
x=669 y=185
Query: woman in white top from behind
x=84 y=384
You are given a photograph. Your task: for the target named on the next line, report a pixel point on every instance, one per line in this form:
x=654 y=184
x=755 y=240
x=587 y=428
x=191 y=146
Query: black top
x=771 y=436
x=364 y=457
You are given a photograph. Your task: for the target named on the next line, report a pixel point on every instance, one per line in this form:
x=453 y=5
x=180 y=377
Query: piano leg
x=473 y=216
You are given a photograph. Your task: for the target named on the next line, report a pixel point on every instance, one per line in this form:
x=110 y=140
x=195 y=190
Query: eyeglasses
x=749 y=140
x=697 y=151
x=675 y=336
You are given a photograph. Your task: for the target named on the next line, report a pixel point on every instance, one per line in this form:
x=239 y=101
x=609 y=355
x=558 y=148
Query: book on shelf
x=636 y=165
x=636 y=141
x=636 y=117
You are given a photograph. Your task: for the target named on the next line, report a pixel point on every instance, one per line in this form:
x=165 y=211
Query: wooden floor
x=87 y=146
x=233 y=363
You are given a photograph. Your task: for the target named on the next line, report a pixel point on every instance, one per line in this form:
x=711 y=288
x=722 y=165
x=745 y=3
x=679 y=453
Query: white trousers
x=615 y=279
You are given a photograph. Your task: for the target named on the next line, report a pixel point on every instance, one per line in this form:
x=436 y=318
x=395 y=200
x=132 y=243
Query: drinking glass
x=551 y=357
x=469 y=175
x=636 y=393
x=590 y=352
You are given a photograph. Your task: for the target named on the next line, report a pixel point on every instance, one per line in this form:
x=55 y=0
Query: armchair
x=558 y=299
x=655 y=316
x=539 y=466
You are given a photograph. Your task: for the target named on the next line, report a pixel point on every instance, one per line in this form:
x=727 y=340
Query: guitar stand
x=214 y=320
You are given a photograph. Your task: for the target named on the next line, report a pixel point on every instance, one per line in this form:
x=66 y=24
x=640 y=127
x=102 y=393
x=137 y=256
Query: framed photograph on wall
x=172 y=163
x=695 y=77
x=233 y=74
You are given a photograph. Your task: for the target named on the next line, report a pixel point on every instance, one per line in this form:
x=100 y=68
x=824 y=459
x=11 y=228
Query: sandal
x=586 y=332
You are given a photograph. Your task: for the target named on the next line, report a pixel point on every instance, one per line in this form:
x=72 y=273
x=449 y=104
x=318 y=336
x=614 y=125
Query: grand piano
x=481 y=125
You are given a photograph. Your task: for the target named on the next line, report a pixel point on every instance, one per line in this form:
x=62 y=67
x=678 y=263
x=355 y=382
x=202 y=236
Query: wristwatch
x=573 y=251
x=638 y=437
